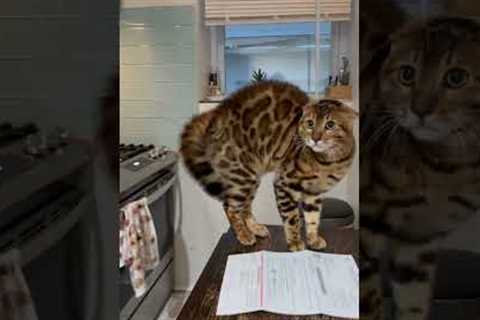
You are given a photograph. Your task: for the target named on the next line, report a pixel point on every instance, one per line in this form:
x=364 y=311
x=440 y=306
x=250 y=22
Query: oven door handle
x=160 y=191
x=56 y=230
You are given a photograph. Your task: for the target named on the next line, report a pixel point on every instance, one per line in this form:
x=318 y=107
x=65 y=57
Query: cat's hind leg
x=237 y=205
x=236 y=217
x=258 y=229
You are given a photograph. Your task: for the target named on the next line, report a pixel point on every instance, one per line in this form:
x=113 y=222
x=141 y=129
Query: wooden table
x=202 y=303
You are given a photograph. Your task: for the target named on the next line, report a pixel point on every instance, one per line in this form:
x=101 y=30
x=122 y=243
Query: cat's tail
x=193 y=147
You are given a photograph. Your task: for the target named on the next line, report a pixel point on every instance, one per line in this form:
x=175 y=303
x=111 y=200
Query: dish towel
x=138 y=243
x=15 y=300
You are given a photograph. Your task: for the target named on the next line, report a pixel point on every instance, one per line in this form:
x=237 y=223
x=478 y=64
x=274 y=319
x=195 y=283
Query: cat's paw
x=316 y=243
x=246 y=238
x=259 y=230
x=296 y=245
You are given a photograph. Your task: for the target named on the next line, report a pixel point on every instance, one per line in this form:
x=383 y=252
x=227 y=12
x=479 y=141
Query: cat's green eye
x=310 y=124
x=456 y=78
x=406 y=75
x=329 y=125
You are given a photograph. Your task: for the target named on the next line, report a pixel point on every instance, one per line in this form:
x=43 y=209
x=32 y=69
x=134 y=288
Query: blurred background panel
x=419 y=159
x=58 y=189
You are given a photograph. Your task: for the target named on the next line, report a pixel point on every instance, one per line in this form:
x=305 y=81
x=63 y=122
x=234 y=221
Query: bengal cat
x=420 y=160
x=265 y=127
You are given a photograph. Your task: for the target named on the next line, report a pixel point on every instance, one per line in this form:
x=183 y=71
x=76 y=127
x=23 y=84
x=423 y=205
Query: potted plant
x=259 y=75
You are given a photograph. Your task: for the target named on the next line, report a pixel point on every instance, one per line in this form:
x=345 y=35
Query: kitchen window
x=279 y=51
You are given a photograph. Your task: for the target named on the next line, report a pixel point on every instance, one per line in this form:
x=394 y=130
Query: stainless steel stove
x=140 y=164
x=149 y=171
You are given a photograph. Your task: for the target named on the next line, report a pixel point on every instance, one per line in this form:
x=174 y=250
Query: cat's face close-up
x=326 y=127
x=430 y=84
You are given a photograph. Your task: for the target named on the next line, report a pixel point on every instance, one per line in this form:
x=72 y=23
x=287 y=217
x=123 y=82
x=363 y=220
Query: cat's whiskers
x=386 y=145
x=460 y=136
x=374 y=138
x=372 y=119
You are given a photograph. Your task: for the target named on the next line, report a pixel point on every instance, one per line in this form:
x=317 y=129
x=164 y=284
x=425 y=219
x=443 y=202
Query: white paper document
x=295 y=283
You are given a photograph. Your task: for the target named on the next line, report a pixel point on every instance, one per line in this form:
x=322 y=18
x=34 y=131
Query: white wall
x=202 y=52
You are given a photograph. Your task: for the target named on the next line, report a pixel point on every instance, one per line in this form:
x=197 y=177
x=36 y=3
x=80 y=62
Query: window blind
x=223 y=12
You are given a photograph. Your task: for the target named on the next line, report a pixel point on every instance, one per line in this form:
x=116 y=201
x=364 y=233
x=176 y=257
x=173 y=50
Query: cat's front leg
x=312 y=208
x=287 y=202
x=413 y=276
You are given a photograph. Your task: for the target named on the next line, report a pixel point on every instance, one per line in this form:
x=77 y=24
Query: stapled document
x=295 y=283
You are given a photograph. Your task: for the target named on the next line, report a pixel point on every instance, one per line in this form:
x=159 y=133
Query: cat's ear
x=308 y=108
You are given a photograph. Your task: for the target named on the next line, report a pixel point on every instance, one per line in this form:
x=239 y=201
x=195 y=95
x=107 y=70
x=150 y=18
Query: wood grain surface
x=202 y=303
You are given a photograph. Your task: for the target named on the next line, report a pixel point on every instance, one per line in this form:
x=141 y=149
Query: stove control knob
x=163 y=151
x=62 y=133
x=153 y=154
x=36 y=144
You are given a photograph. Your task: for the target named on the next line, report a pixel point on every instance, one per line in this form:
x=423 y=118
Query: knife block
x=339 y=92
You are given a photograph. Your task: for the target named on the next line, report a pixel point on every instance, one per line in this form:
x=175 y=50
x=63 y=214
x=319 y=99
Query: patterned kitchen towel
x=138 y=242
x=15 y=299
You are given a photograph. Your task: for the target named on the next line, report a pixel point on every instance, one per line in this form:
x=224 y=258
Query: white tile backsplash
x=152 y=73
x=157 y=85
x=151 y=109
x=154 y=90
x=170 y=92
x=158 y=131
x=155 y=54
x=147 y=35
x=167 y=16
